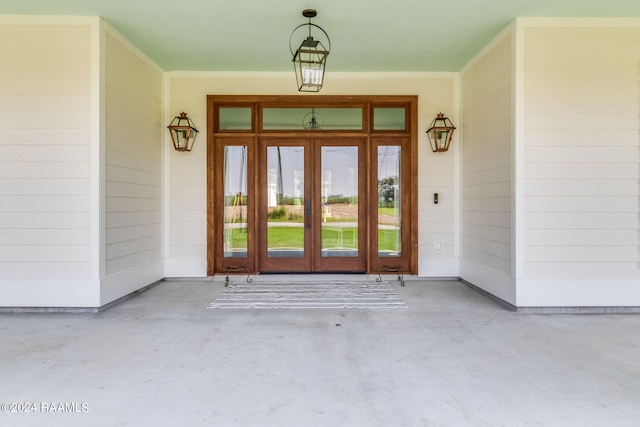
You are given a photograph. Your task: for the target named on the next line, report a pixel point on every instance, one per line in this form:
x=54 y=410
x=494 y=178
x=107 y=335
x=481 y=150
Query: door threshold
x=262 y=273
x=313 y=277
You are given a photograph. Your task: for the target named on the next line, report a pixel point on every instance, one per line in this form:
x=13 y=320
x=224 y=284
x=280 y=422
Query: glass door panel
x=339 y=201
x=235 y=235
x=310 y=210
x=285 y=202
x=389 y=201
x=284 y=231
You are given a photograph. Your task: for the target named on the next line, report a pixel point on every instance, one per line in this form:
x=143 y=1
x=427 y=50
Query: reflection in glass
x=389 y=201
x=235 y=202
x=234 y=118
x=389 y=118
x=285 y=202
x=298 y=118
x=339 y=201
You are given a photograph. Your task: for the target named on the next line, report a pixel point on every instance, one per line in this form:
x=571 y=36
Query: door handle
x=307 y=213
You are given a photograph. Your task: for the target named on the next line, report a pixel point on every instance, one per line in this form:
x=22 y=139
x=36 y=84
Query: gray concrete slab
x=453 y=358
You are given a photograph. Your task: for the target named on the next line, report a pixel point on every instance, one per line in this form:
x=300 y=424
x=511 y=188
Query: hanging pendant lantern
x=310 y=58
x=440 y=133
x=183 y=132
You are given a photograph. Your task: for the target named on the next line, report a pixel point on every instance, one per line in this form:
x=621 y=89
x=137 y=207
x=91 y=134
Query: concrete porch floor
x=453 y=358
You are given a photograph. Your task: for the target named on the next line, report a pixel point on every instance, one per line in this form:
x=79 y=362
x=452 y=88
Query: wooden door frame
x=295 y=265
x=215 y=263
x=329 y=264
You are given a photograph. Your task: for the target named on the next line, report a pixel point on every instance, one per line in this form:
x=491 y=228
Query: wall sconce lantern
x=183 y=132
x=440 y=133
x=310 y=58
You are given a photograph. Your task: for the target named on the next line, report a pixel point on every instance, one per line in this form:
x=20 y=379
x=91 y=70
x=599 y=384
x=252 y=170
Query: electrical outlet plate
x=438 y=246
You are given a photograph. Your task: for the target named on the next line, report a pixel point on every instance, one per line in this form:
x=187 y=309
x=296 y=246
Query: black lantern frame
x=310 y=59
x=183 y=132
x=440 y=133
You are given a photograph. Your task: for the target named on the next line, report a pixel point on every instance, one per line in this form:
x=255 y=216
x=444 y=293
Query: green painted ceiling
x=366 y=35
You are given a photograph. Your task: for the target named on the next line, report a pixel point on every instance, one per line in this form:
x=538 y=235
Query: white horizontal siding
x=22 y=169
x=486 y=260
x=583 y=271
x=130 y=218
x=581 y=237
x=121 y=174
x=582 y=121
x=57 y=137
x=133 y=186
x=580 y=253
x=48 y=203
x=489 y=233
x=44 y=153
x=41 y=236
x=610 y=172
x=132 y=262
x=62 y=253
x=586 y=187
x=566 y=204
x=44 y=270
x=44 y=220
x=579 y=138
x=44 y=119
x=40 y=186
x=582 y=109
x=45 y=131
x=582 y=220
x=127 y=189
x=486 y=163
x=606 y=153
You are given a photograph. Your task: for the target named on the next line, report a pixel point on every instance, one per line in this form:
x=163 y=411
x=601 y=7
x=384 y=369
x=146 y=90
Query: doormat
x=308 y=295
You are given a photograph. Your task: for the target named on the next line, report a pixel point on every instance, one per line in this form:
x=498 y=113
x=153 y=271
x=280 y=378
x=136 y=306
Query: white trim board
x=50 y=293
x=517 y=150
x=334 y=74
x=578 y=293
x=98 y=142
x=491 y=281
x=63 y=20
x=124 y=283
x=603 y=22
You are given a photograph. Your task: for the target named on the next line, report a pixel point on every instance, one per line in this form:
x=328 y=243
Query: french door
x=311 y=184
x=311 y=204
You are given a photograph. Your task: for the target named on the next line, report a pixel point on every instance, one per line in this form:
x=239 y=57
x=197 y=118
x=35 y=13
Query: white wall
x=486 y=172
x=582 y=141
x=186 y=184
x=45 y=162
x=80 y=164
x=133 y=169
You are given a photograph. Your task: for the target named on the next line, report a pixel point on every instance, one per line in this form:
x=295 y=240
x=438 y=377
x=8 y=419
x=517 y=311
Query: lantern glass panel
x=309 y=64
x=183 y=138
x=442 y=137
